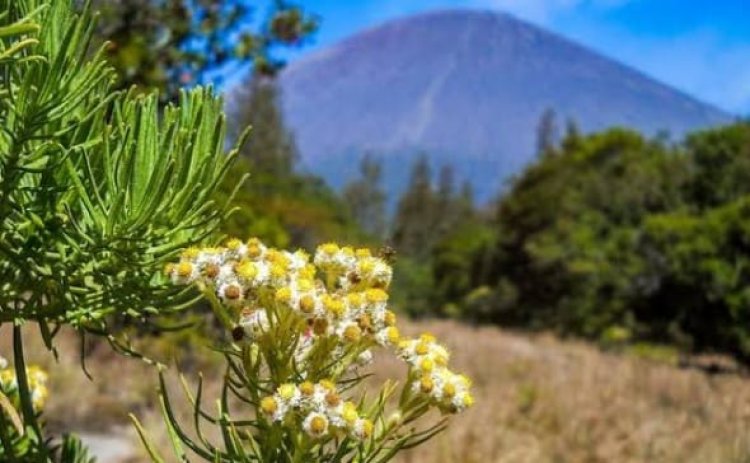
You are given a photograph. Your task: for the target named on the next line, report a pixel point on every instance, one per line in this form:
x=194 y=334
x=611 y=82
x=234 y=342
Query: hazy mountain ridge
x=467 y=87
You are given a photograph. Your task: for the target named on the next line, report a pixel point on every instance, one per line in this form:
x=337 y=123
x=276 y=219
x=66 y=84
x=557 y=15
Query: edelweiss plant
x=98 y=189
x=303 y=333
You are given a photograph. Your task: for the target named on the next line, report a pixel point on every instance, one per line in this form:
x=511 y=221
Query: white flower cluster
x=431 y=377
x=318 y=407
x=254 y=279
x=332 y=310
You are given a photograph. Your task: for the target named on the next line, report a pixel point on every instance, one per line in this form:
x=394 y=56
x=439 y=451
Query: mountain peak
x=467 y=87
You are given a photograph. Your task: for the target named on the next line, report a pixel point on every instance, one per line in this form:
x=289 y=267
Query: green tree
x=366 y=198
x=547 y=133
x=416 y=214
x=168 y=44
x=271 y=150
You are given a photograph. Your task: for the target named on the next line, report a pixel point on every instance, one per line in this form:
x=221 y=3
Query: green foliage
x=417 y=214
x=461 y=260
x=615 y=230
x=97 y=191
x=171 y=44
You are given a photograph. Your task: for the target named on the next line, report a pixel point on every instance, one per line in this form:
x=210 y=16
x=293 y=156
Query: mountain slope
x=467 y=87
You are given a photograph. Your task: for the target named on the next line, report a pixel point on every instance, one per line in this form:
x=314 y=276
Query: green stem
x=27 y=407
x=8 y=452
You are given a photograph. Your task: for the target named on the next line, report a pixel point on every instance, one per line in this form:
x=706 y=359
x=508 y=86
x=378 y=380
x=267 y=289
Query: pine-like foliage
x=97 y=189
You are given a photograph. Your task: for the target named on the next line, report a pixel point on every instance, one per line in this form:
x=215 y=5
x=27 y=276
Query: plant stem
x=8 y=451
x=27 y=407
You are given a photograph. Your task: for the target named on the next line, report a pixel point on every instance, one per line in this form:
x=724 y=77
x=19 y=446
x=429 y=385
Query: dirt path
x=112 y=447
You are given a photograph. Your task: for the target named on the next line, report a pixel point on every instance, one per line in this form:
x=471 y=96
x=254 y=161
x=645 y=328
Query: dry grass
x=539 y=399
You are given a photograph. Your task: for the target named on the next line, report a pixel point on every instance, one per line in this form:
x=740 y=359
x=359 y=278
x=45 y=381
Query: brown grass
x=539 y=399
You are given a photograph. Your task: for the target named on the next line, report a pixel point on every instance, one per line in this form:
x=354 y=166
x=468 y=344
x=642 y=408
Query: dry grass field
x=539 y=399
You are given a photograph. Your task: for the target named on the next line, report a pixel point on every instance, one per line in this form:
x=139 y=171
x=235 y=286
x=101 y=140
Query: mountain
x=468 y=88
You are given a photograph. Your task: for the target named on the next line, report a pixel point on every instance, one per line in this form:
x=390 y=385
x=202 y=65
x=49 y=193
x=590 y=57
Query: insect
x=388 y=254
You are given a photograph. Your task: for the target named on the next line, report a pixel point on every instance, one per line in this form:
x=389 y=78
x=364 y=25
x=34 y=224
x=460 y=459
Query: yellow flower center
x=329 y=248
x=427 y=365
x=334 y=306
x=307 y=304
x=427 y=337
x=191 y=253
x=352 y=333
x=233 y=292
x=349 y=413
x=328 y=385
x=246 y=270
x=393 y=335
x=307 y=388
x=211 y=270
x=333 y=399
x=284 y=295
x=426 y=384
x=184 y=269
x=375 y=295
x=268 y=405
x=286 y=391
x=318 y=424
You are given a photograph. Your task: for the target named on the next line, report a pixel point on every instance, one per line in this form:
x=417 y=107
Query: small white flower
x=315 y=424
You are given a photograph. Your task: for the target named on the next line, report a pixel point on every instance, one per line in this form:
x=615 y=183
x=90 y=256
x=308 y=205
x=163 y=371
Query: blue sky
x=699 y=46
